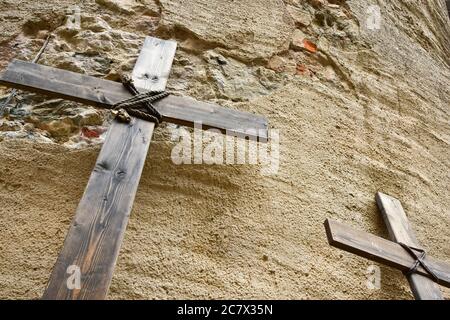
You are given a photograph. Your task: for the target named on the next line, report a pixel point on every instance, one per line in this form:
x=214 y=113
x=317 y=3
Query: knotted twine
x=140 y=105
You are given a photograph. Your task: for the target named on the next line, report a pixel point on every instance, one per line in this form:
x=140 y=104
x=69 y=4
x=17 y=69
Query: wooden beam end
x=379 y=196
x=329 y=231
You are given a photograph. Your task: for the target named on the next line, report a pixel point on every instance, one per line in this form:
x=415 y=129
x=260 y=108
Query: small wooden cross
x=93 y=241
x=392 y=253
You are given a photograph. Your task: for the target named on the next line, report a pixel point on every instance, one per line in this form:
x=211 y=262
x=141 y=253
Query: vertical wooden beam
x=152 y=69
x=400 y=231
x=93 y=242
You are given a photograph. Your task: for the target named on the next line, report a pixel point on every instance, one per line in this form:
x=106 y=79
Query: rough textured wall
x=359 y=111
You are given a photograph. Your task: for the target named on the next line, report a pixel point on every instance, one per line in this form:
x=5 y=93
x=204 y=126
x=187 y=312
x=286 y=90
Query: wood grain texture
x=104 y=93
x=95 y=236
x=400 y=230
x=380 y=250
x=151 y=72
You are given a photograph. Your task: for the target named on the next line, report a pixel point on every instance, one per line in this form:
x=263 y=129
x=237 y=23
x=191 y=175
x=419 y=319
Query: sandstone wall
x=360 y=109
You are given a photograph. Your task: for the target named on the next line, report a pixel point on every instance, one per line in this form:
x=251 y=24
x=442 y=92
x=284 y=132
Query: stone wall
x=361 y=105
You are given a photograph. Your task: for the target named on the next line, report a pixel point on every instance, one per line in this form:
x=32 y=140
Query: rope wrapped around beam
x=140 y=105
x=420 y=261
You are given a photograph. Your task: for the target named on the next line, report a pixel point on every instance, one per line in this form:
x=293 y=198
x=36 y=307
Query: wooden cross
x=96 y=233
x=392 y=253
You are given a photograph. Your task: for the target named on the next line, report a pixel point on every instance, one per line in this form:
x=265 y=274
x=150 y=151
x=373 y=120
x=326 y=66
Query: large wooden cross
x=392 y=253
x=96 y=233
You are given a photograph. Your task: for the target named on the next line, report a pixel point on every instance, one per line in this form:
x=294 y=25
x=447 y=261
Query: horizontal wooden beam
x=381 y=250
x=104 y=93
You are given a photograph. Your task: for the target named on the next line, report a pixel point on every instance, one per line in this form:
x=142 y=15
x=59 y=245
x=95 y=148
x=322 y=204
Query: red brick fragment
x=303 y=70
x=310 y=46
x=90 y=133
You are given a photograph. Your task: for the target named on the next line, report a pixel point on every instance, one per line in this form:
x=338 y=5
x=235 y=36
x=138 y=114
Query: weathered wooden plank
x=144 y=74
x=95 y=236
x=400 y=231
x=104 y=93
x=380 y=250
